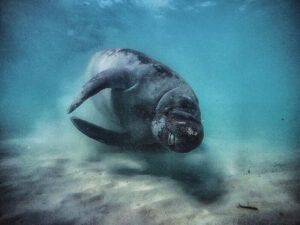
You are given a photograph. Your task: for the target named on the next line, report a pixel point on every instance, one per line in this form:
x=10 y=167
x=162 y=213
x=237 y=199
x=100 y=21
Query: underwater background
x=242 y=59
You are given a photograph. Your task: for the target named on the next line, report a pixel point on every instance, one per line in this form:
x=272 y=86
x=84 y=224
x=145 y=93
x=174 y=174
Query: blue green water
x=241 y=57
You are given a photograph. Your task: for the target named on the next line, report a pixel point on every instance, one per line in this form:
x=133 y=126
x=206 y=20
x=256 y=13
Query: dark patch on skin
x=161 y=96
x=111 y=52
x=142 y=57
x=163 y=70
x=142 y=112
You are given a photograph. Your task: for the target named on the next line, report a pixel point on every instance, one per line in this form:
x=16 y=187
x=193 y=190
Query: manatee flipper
x=111 y=78
x=100 y=134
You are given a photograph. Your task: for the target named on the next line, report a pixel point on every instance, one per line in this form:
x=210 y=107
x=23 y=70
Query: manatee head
x=177 y=123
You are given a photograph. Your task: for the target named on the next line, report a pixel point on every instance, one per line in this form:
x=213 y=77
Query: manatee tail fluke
x=100 y=134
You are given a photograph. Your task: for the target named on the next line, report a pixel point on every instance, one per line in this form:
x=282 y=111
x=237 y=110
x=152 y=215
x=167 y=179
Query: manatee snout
x=179 y=135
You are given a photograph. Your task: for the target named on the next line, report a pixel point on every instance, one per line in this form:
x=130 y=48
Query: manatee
x=148 y=100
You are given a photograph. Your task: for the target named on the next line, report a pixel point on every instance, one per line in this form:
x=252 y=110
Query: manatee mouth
x=171 y=139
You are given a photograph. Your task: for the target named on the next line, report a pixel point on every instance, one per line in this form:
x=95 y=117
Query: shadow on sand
x=194 y=171
x=29 y=183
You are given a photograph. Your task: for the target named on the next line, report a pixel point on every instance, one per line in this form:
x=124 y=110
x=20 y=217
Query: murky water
x=240 y=57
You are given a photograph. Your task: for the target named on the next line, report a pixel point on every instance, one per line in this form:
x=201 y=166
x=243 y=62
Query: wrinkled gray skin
x=151 y=102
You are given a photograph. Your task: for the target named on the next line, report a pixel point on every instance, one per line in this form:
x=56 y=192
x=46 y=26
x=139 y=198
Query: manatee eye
x=183 y=103
x=186 y=104
x=171 y=139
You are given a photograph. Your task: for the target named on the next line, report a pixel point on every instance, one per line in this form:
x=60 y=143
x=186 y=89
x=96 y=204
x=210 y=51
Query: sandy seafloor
x=64 y=179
